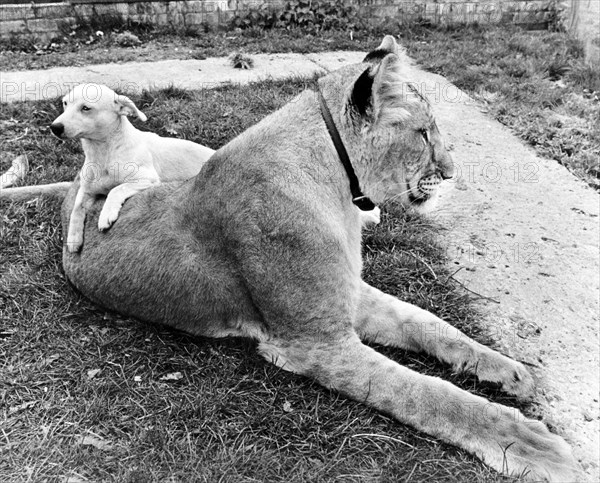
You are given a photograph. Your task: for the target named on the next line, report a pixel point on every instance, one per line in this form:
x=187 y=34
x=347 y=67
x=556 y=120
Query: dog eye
x=85 y=108
x=425 y=135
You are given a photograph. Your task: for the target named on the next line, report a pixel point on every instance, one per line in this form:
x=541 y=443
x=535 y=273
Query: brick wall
x=44 y=20
x=529 y=13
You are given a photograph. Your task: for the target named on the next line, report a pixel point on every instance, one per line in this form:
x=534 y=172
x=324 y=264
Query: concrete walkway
x=133 y=77
x=522 y=230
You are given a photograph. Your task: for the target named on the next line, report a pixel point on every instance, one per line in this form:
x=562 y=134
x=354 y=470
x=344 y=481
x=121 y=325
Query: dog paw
x=74 y=243
x=107 y=217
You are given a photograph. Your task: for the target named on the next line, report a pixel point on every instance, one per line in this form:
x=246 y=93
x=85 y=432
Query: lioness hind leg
x=386 y=320
x=500 y=436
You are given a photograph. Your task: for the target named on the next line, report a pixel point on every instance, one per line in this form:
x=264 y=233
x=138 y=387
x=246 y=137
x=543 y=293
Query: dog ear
x=388 y=46
x=128 y=108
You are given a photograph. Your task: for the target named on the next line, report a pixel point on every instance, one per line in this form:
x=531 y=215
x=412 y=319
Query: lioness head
x=389 y=130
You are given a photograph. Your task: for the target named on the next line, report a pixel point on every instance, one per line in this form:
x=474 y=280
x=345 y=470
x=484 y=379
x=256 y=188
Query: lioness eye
x=425 y=135
x=85 y=108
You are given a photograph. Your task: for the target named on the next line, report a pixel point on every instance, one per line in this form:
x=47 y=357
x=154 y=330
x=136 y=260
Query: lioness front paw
x=524 y=447
x=511 y=375
x=108 y=216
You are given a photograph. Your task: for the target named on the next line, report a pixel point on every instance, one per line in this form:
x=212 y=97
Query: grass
x=91 y=396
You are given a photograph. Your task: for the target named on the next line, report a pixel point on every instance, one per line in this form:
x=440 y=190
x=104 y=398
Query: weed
x=241 y=61
x=257 y=19
x=109 y=22
x=127 y=39
x=18 y=43
x=305 y=14
x=587 y=78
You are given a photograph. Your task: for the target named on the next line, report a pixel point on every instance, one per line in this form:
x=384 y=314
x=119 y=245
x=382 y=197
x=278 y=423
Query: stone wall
x=45 y=20
x=528 y=13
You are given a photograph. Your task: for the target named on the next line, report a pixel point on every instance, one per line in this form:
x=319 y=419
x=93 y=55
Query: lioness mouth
x=426 y=188
x=428 y=185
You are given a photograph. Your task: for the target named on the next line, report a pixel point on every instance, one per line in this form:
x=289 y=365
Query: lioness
x=266 y=243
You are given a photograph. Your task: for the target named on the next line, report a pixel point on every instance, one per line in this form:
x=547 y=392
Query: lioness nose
x=57 y=129
x=446 y=166
x=447 y=171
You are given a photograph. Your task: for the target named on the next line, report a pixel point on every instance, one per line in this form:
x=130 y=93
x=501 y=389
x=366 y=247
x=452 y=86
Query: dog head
x=92 y=111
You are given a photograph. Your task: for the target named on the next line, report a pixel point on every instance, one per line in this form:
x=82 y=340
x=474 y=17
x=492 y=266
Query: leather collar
x=358 y=198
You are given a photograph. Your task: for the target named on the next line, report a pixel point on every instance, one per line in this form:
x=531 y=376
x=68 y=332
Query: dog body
x=265 y=242
x=120 y=160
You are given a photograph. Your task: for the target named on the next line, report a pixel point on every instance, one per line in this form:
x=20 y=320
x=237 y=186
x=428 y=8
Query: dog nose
x=57 y=129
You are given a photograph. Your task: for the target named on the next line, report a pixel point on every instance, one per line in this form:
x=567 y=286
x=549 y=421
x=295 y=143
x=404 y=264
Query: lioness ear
x=361 y=97
x=388 y=92
x=128 y=108
x=388 y=46
x=371 y=91
x=378 y=93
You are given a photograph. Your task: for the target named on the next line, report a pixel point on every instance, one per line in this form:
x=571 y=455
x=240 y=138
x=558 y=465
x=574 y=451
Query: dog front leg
x=83 y=201
x=115 y=199
x=386 y=320
x=501 y=436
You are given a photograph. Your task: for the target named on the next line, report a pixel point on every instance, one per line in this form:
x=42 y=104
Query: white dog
x=120 y=160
